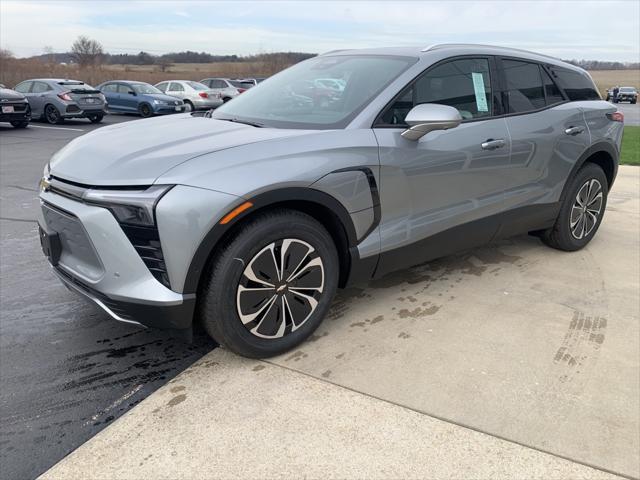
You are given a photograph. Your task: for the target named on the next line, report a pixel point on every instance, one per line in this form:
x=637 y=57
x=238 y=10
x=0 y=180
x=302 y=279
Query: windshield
x=197 y=86
x=295 y=98
x=144 y=88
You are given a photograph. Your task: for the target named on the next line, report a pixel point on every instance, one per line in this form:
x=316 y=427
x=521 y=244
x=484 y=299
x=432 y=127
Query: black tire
x=20 y=124
x=145 y=110
x=562 y=235
x=226 y=99
x=95 y=118
x=633 y=102
x=52 y=115
x=225 y=278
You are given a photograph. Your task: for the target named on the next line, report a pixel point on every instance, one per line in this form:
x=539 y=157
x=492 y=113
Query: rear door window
x=464 y=84
x=551 y=90
x=162 y=86
x=176 y=87
x=524 y=88
x=110 y=87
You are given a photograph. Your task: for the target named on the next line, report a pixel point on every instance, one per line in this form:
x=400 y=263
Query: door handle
x=493 y=144
x=574 y=130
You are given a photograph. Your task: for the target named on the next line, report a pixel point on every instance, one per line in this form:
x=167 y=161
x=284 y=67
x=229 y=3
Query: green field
x=630 y=154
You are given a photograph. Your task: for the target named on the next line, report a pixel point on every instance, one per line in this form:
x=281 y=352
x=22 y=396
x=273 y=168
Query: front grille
x=146 y=241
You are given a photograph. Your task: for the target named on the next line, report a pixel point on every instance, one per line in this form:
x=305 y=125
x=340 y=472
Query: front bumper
x=98 y=261
x=167 y=109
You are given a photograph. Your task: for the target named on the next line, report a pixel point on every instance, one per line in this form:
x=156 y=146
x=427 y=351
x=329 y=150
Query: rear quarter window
x=577 y=85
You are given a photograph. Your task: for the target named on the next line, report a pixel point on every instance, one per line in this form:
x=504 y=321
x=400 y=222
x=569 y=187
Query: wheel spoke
x=264 y=309
x=576 y=213
x=594 y=190
x=285 y=248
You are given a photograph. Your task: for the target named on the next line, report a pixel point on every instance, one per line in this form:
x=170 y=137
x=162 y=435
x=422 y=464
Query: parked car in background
x=227 y=88
x=139 y=97
x=195 y=95
x=249 y=219
x=55 y=99
x=252 y=81
x=627 y=94
x=14 y=108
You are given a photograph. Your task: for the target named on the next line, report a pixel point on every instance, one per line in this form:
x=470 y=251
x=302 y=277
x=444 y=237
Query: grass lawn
x=630 y=154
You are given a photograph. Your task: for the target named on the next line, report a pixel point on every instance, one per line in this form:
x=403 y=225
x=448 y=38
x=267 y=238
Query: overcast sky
x=597 y=30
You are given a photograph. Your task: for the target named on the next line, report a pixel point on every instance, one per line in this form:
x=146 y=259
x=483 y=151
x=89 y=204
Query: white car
x=227 y=88
x=195 y=95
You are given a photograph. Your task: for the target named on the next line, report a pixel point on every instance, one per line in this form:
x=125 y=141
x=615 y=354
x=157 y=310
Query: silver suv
x=249 y=218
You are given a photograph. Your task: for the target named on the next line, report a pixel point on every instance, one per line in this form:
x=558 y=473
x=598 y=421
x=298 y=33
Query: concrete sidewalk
x=519 y=341
x=228 y=417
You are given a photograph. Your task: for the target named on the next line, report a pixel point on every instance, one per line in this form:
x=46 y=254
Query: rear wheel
x=189 y=106
x=581 y=211
x=271 y=285
x=145 y=110
x=52 y=115
x=226 y=99
x=95 y=118
x=20 y=124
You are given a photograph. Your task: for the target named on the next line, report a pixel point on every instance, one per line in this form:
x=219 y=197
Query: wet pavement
x=66 y=369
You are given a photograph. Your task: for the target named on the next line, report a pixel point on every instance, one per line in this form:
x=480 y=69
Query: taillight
x=616 y=117
x=65 y=96
x=204 y=94
x=240 y=90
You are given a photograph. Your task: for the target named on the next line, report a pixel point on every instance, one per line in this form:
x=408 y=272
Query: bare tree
x=87 y=52
x=5 y=54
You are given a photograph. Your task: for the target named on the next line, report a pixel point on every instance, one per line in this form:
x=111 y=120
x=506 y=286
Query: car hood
x=8 y=94
x=138 y=152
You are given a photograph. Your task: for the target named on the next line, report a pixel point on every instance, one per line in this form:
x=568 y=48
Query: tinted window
x=40 y=87
x=23 y=87
x=551 y=89
x=577 y=85
x=463 y=84
x=176 y=87
x=524 y=89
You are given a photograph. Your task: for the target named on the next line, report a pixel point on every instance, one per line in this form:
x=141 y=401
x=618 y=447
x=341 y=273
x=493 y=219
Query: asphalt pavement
x=67 y=370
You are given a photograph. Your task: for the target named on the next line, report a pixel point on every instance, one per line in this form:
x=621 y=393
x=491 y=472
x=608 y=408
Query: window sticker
x=478 y=86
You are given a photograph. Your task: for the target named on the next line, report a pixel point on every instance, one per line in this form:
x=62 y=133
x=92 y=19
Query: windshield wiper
x=245 y=122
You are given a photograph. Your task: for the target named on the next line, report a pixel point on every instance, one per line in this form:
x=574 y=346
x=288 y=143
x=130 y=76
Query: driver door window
x=464 y=84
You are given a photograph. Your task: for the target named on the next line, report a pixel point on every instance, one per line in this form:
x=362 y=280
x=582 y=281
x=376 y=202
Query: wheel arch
x=321 y=206
x=604 y=154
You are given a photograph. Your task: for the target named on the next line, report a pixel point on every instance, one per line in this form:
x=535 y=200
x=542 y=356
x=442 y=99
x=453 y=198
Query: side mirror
x=427 y=117
x=131 y=92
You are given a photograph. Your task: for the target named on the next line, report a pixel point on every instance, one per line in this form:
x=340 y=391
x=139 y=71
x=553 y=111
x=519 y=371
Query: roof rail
x=440 y=45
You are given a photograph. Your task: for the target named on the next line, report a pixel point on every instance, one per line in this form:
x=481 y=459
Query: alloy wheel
x=586 y=209
x=52 y=114
x=280 y=288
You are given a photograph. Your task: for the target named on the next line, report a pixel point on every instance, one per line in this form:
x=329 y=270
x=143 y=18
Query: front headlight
x=130 y=207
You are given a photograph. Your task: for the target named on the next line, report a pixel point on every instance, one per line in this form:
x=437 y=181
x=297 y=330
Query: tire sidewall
x=589 y=171
x=223 y=296
x=52 y=108
x=142 y=108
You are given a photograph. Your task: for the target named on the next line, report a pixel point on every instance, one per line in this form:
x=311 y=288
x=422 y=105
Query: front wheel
x=145 y=110
x=271 y=285
x=581 y=211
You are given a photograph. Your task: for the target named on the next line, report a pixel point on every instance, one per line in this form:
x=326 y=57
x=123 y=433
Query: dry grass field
x=608 y=78
x=13 y=71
